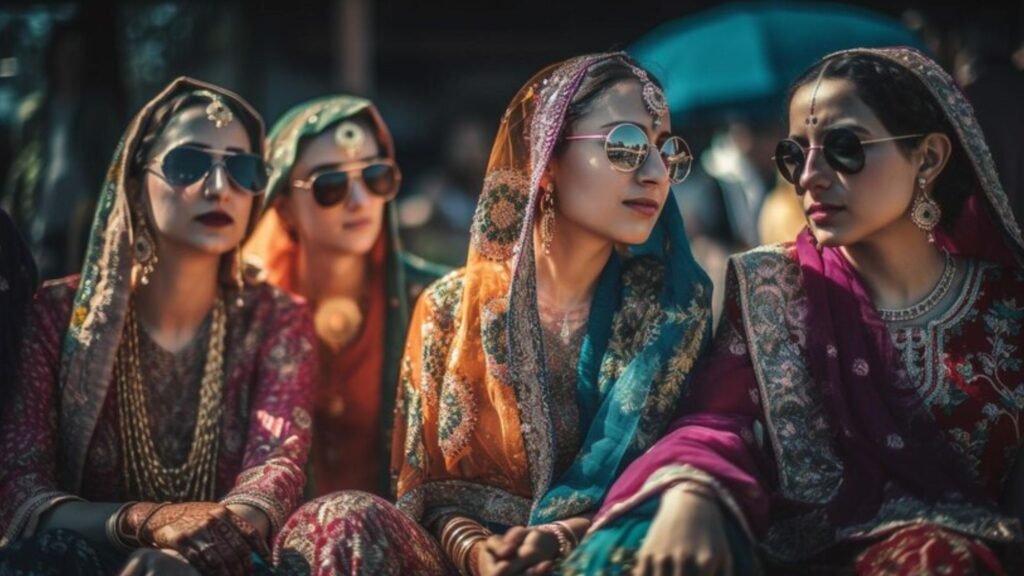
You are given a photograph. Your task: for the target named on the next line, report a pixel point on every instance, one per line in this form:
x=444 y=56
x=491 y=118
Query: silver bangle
x=112 y=526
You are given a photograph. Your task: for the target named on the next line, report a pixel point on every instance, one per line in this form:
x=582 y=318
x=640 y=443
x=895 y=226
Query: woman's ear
x=935 y=150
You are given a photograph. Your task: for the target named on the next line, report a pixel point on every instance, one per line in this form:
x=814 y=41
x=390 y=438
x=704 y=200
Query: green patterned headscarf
x=90 y=344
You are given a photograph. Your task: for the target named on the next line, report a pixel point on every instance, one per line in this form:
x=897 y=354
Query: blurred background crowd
x=72 y=73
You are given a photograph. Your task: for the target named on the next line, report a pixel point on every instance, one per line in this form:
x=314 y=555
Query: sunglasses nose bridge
x=814 y=171
x=358 y=192
x=217 y=179
x=660 y=170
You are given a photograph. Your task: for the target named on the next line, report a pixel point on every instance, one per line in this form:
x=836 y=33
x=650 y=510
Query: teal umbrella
x=742 y=57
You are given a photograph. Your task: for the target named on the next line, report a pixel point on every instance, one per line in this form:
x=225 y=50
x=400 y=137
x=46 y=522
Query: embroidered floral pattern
x=967 y=390
x=497 y=221
x=410 y=409
x=265 y=430
x=770 y=286
x=356 y=533
x=485 y=502
x=457 y=417
x=860 y=367
x=638 y=320
x=493 y=333
x=443 y=299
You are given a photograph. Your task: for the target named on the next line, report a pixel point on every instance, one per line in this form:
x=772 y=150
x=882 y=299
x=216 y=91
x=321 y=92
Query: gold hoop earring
x=547 y=221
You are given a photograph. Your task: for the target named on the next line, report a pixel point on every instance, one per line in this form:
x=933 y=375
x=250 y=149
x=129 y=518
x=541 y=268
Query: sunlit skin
x=845 y=209
x=349 y=227
x=178 y=211
x=194 y=227
x=597 y=208
x=335 y=240
x=594 y=199
x=867 y=214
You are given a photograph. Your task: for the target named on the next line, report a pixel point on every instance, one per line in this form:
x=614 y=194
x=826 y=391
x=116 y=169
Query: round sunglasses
x=381 y=177
x=843 y=151
x=186 y=165
x=627 y=147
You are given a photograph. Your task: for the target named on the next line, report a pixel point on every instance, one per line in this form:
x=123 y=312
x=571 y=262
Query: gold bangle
x=459 y=532
x=574 y=540
x=556 y=531
x=453 y=526
x=465 y=549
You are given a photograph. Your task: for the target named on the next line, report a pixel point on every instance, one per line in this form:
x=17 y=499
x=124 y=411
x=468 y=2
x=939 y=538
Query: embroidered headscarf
x=474 y=430
x=101 y=302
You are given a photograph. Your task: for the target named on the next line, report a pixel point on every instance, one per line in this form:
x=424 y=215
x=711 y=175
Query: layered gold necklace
x=146 y=475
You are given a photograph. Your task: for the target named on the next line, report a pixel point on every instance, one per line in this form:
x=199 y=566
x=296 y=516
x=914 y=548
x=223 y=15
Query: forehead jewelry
x=654 y=98
x=350 y=137
x=217 y=111
x=811 y=118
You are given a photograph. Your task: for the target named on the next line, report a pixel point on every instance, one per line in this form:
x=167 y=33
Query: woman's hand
x=687 y=537
x=519 y=551
x=213 y=539
x=153 y=562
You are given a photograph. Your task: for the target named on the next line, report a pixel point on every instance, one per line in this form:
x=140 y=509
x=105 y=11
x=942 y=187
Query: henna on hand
x=212 y=538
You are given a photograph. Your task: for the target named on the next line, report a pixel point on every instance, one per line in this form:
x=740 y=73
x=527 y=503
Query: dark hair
x=599 y=78
x=904 y=106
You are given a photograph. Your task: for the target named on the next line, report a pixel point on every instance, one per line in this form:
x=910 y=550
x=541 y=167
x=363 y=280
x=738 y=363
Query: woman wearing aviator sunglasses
x=863 y=410
x=160 y=420
x=329 y=235
x=534 y=374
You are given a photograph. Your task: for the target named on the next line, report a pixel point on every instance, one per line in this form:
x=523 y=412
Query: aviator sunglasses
x=381 y=177
x=185 y=165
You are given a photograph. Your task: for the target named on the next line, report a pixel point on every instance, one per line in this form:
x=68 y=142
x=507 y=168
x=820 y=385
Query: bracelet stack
x=458 y=537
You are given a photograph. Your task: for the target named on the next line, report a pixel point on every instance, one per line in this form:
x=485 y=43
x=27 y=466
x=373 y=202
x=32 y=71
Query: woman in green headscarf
x=329 y=235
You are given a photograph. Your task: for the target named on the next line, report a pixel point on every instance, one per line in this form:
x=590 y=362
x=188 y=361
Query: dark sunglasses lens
x=381 y=180
x=183 y=166
x=789 y=158
x=626 y=147
x=678 y=158
x=844 y=151
x=248 y=171
x=330 y=188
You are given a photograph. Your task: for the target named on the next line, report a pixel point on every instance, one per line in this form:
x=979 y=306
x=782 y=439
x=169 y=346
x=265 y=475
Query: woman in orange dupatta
x=535 y=374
